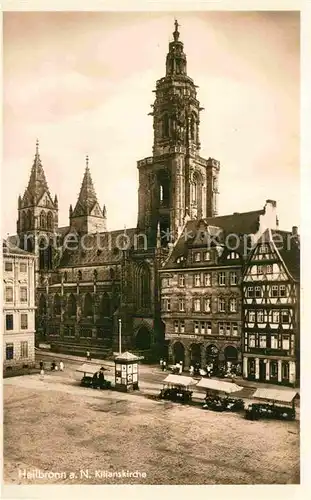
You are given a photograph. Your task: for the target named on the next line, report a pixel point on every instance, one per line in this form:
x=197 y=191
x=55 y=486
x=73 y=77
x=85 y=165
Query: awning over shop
x=282 y=395
x=90 y=368
x=179 y=380
x=218 y=385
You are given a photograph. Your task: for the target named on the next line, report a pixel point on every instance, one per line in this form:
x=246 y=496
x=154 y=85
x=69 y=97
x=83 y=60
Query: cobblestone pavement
x=57 y=428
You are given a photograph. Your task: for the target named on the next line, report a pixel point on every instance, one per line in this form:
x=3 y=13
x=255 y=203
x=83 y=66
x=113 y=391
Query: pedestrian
x=161 y=364
x=41 y=365
x=61 y=366
x=42 y=374
x=164 y=365
x=53 y=364
x=88 y=355
x=191 y=371
x=180 y=367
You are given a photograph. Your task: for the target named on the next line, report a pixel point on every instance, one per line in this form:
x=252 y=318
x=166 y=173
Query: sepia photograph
x=151 y=247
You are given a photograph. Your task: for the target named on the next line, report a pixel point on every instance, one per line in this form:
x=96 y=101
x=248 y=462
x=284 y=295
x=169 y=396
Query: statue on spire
x=176 y=32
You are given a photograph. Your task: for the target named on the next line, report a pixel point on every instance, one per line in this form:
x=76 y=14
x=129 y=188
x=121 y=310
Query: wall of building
x=13 y=310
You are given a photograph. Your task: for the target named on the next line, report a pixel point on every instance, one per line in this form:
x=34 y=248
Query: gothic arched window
x=42 y=251
x=164 y=188
x=49 y=220
x=105 y=306
x=57 y=305
x=165 y=125
x=23 y=221
x=71 y=305
x=193 y=128
x=43 y=220
x=42 y=305
x=29 y=220
x=143 y=286
x=88 y=305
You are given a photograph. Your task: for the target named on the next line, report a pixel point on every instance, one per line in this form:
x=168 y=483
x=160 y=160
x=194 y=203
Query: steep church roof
x=87 y=197
x=37 y=184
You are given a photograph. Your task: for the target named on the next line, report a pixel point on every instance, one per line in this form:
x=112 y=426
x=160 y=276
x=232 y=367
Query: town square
x=151 y=263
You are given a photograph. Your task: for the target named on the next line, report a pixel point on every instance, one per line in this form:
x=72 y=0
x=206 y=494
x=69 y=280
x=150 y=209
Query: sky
x=82 y=84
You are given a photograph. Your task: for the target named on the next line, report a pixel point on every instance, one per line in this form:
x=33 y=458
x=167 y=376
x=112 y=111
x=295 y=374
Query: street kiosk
x=126 y=371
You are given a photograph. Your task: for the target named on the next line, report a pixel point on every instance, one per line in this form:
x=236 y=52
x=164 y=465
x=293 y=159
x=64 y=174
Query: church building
x=157 y=283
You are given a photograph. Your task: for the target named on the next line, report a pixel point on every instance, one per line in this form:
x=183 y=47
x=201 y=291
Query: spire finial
x=37 y=146
x=176 y=32
x=87 y=161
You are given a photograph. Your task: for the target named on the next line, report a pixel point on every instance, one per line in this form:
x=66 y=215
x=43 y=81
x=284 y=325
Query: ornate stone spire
x=87 y=196
x=37 y=184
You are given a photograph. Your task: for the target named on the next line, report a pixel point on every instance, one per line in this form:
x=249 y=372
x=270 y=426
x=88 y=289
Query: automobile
x=255 y=411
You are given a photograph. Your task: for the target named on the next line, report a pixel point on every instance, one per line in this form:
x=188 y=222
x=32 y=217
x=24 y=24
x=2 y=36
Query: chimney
x=271 y=202
x=295 y=231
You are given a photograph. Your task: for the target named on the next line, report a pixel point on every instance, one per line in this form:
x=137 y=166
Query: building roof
x=87 y=197
x=216 y=232
x=37 y=184
x=288 y=246
x=12 y=250
x=98 y=249
x=237 y=223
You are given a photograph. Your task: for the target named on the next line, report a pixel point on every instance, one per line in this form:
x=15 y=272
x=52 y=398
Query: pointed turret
x=104 y=211
x=56 y=200
x=37 y=184
x=87 y=215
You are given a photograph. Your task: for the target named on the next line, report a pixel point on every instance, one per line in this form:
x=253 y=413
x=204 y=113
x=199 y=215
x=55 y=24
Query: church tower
x=87 y=216
x=37 y=215
x=176 y=182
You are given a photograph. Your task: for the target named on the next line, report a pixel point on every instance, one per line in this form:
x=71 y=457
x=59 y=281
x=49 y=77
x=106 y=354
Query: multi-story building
x=201 y=286
x=18 y=308
x=271 y=334
x=88 y=278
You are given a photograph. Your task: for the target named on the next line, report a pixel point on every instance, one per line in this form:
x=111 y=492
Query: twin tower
x=175 y=184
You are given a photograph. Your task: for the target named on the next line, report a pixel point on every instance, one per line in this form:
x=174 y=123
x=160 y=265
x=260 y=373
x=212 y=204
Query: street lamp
x=120 y=335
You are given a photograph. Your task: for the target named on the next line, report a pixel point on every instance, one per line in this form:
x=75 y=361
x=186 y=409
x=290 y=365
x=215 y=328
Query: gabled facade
x=271 y=309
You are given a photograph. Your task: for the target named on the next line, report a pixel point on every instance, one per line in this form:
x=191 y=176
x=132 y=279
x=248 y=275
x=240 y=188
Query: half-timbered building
x=271 y=309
